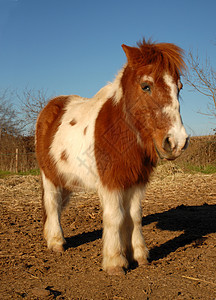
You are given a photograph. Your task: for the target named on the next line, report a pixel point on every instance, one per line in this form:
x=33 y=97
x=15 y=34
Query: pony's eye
x=146 y=87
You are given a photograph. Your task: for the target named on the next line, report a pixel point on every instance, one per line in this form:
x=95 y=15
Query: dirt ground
x=179 y=214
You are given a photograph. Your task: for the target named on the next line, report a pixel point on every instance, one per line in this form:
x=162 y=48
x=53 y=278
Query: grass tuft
x=4 y=174
x=206 y=169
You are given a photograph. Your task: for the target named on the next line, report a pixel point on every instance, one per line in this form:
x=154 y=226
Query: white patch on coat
x=115 y=87
x=147 y=78
x=177 y=131
x=80 y=163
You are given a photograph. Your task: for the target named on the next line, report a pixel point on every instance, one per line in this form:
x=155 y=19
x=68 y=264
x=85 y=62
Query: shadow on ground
x=195 y=222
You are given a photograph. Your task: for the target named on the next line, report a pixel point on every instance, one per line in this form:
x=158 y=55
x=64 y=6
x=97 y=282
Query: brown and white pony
x=111 y=143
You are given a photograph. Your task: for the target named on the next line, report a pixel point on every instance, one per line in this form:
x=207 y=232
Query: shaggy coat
x=111 y=143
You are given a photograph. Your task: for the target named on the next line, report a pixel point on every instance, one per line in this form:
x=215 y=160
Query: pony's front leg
x=114 y=260
x=52 y=202
x=140 y=251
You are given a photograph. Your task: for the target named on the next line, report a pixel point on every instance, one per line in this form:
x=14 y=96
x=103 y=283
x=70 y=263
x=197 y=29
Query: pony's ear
x=134 y=55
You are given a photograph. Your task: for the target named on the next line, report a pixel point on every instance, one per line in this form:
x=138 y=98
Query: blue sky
x=74 y=47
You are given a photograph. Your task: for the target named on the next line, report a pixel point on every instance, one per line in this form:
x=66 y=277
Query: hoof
x=57 y=248
x=143 y=261
x=115 y=271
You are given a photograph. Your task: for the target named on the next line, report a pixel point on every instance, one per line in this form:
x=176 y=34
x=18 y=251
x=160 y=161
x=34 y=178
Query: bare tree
x=202 y=78
x=10 y=122
x=32 y=103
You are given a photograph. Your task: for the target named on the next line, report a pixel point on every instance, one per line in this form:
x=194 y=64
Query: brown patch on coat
x=85 y=129
x=46 y=127
x=121 y=161
x=64 y=155
x=73 y=122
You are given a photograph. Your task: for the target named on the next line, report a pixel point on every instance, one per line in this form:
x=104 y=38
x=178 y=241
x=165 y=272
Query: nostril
x=186 y=143
x=167 y=144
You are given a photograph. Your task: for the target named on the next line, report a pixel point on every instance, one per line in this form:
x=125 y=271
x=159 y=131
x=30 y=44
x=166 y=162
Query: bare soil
x=179 y=214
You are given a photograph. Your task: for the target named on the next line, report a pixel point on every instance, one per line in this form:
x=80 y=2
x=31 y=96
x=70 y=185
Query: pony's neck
x=120 y=157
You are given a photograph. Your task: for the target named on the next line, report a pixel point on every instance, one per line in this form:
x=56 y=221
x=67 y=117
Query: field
x=179 y=214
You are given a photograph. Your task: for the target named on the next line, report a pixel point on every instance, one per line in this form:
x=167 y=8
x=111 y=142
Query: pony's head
x=151 y=85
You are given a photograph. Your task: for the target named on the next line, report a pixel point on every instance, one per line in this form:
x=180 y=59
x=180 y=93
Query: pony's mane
x=164 y=56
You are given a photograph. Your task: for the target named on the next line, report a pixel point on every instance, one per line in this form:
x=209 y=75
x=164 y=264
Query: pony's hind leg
x=52 y=204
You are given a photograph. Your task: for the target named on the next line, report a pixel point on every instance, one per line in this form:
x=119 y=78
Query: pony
x=112 y=143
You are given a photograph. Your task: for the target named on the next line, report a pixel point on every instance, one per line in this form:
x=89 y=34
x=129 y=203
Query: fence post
x=17 y=152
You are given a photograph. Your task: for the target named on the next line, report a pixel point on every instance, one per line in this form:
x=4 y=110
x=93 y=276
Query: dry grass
x=201 y=152
x=19 y=190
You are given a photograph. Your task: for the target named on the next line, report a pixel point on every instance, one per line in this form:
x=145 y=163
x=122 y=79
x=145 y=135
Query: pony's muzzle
x=174 y=148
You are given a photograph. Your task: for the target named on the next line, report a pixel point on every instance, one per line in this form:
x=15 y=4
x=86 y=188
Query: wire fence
x=17 y=161
x=20 y=156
